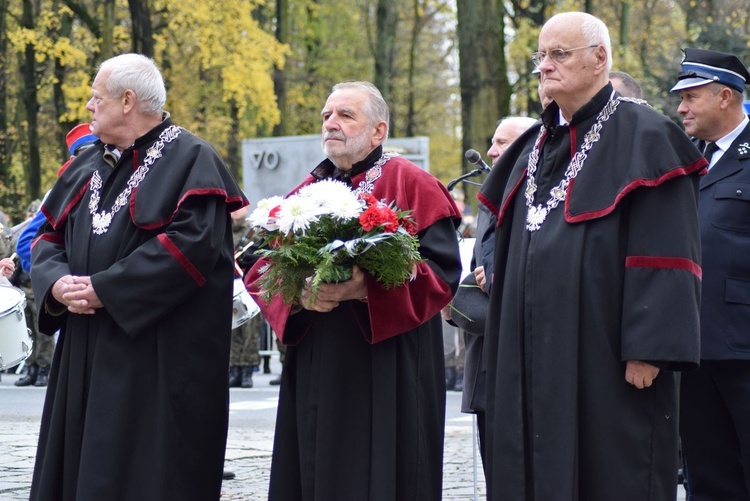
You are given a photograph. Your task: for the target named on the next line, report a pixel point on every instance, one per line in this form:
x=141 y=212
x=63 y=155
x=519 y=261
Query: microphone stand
x=469 y=174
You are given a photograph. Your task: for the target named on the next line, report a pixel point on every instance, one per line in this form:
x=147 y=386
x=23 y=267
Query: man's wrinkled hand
x=331 y=295
x=77 y=294
x=640 y=374
x=481 y=278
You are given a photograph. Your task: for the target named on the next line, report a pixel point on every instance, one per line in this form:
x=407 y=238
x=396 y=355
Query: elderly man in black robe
x=362 y=402
x=134 y=266
x=596 y=287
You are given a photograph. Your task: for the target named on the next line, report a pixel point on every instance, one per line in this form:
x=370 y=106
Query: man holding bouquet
x=362 y=401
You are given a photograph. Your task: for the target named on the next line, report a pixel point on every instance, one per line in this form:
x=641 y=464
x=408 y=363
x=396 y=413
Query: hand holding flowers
x=324 y=230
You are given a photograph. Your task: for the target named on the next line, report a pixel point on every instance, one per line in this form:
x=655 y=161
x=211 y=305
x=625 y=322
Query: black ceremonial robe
x=612 y=275
x=137 y=403
x=362 y=402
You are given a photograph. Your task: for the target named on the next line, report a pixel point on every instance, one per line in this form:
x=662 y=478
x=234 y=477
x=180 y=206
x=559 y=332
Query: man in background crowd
x=78 y=139
x=244 y=356
x=625 y=85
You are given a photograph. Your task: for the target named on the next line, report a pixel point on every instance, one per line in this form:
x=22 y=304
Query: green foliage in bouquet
x=323 y=231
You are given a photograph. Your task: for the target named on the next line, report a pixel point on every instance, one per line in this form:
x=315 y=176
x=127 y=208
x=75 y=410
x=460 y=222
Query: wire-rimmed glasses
x=557 y=55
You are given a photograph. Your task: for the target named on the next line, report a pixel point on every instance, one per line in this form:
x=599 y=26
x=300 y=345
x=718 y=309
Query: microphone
x=474 y=157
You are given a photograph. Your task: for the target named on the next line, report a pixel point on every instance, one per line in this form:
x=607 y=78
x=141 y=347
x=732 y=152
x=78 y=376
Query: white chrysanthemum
x=260 y=216
x=329 y=194
x=296 y=214
x=348 y=208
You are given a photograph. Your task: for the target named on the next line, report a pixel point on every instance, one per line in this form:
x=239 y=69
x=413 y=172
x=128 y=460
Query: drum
x=243 y=306
x=15 y=337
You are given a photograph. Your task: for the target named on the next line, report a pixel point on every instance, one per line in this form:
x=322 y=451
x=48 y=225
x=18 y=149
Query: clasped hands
x=331 y=295
x=77 y=294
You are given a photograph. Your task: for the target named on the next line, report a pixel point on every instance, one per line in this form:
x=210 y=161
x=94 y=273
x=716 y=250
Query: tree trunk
x=5 y=140
x=107 y=28
x=233 y=159
x=385 y=42
x=485 y=90
x=410 y=111
x=279 y=75
x=143 y=32
x=624 y=26
x=58 y=95
x=31 y=105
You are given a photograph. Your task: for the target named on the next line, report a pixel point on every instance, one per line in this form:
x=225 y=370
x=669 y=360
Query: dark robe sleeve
x=167 y=269
x=49 y=264
x=661 y=299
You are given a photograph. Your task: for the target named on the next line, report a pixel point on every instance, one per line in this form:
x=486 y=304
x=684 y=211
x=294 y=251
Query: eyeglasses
x=557 y=55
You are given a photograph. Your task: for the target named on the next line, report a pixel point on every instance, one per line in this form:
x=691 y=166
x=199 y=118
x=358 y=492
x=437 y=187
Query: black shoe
x=266 y=365
x=275 y=382
x=227 y=475
x=459 y=386
x=30 y=377
x=450 y=378
x=247 y=376
x=235 y=377
x=42 y=376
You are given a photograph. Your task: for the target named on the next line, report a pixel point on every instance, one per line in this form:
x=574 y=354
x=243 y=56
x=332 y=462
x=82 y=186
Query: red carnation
x=379 y=216
x=409 y=225
x=368 y=198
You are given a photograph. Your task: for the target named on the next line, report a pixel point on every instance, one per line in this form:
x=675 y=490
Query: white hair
x=520 y=124
x=376 y=108
x=595 y=32
x=139 y=74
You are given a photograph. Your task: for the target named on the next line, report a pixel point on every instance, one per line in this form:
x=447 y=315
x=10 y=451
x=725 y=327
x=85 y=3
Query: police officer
x=715 y=399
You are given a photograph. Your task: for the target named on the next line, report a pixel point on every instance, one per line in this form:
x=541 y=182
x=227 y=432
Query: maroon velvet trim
x=696 y=166
x=510 y=198
x=487 y=203
x=55 y=238
x=182 y=259
x=189 y=193
x=573 y=138
x=57 y=223
x=675 y=263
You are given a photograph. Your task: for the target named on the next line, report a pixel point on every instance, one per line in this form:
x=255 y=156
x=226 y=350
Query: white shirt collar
x=725 y=142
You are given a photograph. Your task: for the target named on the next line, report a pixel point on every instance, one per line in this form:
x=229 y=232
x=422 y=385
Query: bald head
x=508 y=129
x=574 y=58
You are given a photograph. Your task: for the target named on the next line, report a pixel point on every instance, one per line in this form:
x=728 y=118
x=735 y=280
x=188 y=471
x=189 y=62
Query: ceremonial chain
x=101 y=220
x=373 y=173
x=537 y=214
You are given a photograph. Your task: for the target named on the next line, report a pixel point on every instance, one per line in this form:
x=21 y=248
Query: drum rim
x=21 y=293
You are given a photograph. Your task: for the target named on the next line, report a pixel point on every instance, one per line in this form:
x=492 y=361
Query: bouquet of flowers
x=325 y=229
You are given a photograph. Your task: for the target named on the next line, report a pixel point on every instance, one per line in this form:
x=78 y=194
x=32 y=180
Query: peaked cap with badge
x=702 y=67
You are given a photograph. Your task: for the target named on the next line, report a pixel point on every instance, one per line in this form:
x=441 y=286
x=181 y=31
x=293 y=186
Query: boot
x=266 y=365
x=450 y=378
x=247 y=376
x=275 y=382
x=459 y=386
x=30 y=377
x=42 y=376
x=227 y=475
x=234 y=376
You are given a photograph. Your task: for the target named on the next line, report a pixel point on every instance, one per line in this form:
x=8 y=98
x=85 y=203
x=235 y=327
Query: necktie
x=709 y=152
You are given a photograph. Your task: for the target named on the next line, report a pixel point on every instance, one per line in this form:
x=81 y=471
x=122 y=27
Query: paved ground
x=248 y=447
